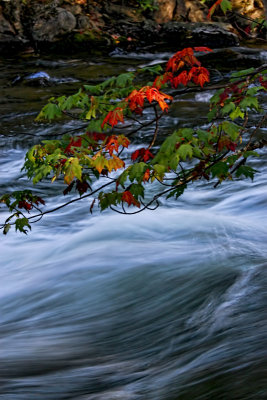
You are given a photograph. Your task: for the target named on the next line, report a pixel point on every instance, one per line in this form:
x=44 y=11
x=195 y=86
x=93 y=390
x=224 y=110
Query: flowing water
x=164 y=305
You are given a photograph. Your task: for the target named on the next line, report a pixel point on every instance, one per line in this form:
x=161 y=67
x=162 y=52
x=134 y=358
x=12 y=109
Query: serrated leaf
x=249 y=101
x=245 y=170
x=231 y=129
x=225 y=6
x=242 y=73
x=185 y=150
x=22 y=224
x=72 y=169
x=177 y=192
x=137 y=189
x=137 y=171
x=93 y=90
x=220 y=169
x=228 y=108
x=236 y=114
x=174 y=161
x=124 y=79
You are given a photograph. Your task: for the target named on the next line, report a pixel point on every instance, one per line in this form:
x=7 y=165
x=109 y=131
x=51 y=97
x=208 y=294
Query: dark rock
x=181 y=34
x=51 y=30
x=83 y=22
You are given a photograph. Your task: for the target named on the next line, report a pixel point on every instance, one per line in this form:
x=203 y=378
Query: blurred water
x=165 y=305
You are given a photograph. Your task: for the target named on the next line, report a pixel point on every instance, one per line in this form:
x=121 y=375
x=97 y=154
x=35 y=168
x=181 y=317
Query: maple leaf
x=263 y=82
x=129 y=199
x=162 y=79
x=113 y=117
x=146 y=175
x=135 y=155
x=115 y=163
x=179 y=59
x=182 y=78
x=202 y=49
x=112 y=144
x=200 y=75
x=143 y=153
x=136 y=100
x=82 y=186
x=24 y=204
x=146 y=155
x=123 y=141
x=74 y=142
x=100 y=163
x=96 y=136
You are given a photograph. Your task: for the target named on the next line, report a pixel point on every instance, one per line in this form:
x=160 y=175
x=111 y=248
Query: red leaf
x=135 y=155
x=129 y=199
x=182 y=78
x=96 y=136
x=200 y=75
x=74 y=142
x=204 y=49
x=112 y=144
x=113 y=117
x=212 y=9
x=143 y=153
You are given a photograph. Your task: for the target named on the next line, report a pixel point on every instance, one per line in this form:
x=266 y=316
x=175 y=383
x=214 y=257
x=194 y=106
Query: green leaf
x=236 y=113
x=244 y=72
x=185 y=150
x=216 y=97
x=186 y=133
x=228 y=108
x=124 y=79
x=137 y=190
x=93 y=90
x=245 y=170
x=21 y=224
x=49 y=111
x=137 y=171
x=174 y=161
x=231 y=129
x=212 y=114
x=108 y=199
x=225 y=6
x=72 y=169
x=254 y=90
x=204 y=136
x=250 y=153
x=177 y=192
x=160 y=170
x=249 y=102
x=6 y=228
x=220 y=169
x=155 y=69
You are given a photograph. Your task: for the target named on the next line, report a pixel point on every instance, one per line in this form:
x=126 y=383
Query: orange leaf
x=204 y=49
x=199 y=75
x=112 y=144
x=146 y=175
x=129 y=199
x=182 y=78
x=113 y=117
x=115 y=163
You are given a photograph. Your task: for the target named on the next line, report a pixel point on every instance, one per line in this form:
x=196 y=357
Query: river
x=164 y=305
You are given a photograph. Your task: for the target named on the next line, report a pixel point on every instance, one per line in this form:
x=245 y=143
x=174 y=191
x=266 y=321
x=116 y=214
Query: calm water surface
x=166 y=305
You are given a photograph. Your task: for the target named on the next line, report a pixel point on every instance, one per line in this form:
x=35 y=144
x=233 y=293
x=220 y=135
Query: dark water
x=166 y=305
